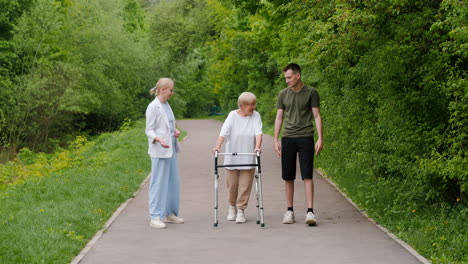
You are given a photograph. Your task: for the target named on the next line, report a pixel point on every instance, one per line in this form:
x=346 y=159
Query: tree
x=70 y=67
x=179 y=32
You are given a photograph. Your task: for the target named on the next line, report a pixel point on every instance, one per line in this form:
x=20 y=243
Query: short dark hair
x=292 y=66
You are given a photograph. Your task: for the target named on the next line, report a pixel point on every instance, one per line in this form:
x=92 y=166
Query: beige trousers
x=239 y=185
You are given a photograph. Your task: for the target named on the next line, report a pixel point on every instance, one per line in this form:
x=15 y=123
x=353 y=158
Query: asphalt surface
x=342 y=235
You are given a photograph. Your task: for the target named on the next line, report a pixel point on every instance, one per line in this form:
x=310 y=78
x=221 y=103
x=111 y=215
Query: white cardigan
x=157 y=125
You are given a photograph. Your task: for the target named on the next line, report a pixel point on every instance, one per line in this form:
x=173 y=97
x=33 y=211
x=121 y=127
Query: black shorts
x=305 y=146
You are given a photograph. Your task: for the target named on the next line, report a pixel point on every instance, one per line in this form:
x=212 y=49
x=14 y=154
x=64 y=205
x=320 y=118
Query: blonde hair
x=162 y=83
x=246 y=98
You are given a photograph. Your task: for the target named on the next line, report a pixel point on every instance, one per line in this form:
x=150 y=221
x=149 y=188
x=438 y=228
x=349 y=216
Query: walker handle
x=237 y=153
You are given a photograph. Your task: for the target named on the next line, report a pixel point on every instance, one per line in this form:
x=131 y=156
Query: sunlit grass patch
x=49 y=214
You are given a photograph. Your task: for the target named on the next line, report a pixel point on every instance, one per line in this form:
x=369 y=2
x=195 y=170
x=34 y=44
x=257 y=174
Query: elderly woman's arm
x=258 y=143
x=218 y=144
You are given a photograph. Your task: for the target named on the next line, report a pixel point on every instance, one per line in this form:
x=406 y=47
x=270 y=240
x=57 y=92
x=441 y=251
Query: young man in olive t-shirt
x=297 y=105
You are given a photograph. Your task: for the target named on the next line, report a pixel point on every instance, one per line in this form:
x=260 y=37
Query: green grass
x=437 y=231
x=49 y=218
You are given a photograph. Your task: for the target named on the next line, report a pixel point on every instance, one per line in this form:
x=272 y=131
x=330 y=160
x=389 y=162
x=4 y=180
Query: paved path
x=342 y=235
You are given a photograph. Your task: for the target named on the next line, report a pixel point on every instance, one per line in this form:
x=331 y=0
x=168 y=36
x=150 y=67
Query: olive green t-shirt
x=297 y=115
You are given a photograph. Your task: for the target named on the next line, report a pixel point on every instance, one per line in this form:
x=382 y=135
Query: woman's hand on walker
x=259 y=150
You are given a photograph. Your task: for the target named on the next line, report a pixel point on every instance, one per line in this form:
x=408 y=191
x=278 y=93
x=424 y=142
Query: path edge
x=109 y=222
x=385 y=230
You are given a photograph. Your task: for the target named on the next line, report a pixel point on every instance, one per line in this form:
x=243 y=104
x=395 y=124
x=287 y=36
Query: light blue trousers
x=164 y=187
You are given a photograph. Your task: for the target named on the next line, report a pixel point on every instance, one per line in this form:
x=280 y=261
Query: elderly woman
x=242 y=131
x=162 y=148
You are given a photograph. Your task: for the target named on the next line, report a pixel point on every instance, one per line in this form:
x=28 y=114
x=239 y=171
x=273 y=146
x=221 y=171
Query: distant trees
x=70 y=66
x=179 y=32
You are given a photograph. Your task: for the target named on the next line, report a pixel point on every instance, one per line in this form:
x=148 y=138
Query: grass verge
x=437 y=231
x=49 y=216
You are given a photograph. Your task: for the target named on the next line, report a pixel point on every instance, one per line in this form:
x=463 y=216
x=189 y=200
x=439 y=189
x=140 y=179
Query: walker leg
x=216 y=177
x=257 y=196
x=260 y=194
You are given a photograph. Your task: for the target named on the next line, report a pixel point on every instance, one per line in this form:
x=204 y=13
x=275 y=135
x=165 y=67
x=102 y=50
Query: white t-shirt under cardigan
x=239 y=133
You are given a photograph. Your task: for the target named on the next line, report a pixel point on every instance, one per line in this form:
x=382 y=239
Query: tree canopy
x=391 y=74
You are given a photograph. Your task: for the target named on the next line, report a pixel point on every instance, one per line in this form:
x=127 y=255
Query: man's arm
x=319 y=127
x=278 y=124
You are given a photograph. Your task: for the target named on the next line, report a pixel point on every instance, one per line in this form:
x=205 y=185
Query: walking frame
x=258 y=182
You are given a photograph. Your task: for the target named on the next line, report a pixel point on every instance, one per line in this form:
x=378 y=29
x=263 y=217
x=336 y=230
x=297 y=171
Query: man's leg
x=288 y=217
x=289 y=192
x=309 y=192
x=306 y=162
x=288 y=167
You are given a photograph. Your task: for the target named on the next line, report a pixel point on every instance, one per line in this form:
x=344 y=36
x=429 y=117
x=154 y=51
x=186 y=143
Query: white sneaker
x=310 y=219
x=240 y=218
x=288 y=217
x=231 y=213
x=172 y=218
x=157 y=223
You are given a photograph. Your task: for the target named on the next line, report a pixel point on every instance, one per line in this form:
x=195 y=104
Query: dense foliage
x=391 y=76
x=70 y=66
x=179 y=31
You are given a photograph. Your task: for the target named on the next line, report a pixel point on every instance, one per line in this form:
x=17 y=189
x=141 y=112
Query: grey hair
x=161 y=84
x=246 y=97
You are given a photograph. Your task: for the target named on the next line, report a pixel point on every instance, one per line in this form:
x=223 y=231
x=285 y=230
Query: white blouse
x=239 y=133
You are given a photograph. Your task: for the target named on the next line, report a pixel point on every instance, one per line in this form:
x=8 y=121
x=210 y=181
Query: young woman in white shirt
x=162 y=148
x=242 y=131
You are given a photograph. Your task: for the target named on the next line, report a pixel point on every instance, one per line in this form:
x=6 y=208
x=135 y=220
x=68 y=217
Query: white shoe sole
x=157 y=226
x=173 y=222
x=289 y=222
